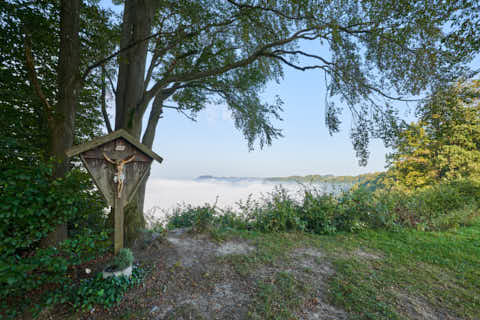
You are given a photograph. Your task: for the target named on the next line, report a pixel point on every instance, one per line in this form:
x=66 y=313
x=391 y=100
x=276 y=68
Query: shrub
x=446 y=204
x=443 y=206
x=318 y=212
x=278 y=212
x=355 y=210
x=228 y=219
x=94 y=291
x=199 y=218
x=123 y=259
x=31 y=206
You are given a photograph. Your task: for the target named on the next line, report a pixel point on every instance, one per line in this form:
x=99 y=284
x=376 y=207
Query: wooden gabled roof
x=76 y=150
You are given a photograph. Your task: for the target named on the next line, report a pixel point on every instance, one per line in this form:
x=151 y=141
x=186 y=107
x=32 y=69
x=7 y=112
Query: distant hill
x=328 y=178
x=229 y=179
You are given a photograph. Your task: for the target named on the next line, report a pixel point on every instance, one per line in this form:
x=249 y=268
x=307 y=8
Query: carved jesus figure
x=119 y=177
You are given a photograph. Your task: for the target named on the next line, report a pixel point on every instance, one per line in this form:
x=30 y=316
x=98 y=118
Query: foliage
x=444 y=144
x=31 y=205
x=371 y=53
x=123 y=259
x=43 y=268
x=277 y=212
x=202 y=55
x=199 y=218
x=89 y=292
x=329 y=178
x=444 y=206
x=23 y=122
x=318 y=211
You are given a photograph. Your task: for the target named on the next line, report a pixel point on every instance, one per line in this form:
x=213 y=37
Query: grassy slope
x=393 y=275
x=378 y=274
x=440 y=269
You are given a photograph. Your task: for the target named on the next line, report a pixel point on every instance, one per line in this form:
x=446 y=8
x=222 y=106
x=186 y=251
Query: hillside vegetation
x=357 y=255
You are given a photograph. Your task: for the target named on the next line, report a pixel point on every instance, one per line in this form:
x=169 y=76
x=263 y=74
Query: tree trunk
x=137 y=25
x=61 y=134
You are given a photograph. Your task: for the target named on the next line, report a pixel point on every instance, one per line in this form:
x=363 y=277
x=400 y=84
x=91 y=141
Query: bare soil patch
x=416 y=308
x=193 y=277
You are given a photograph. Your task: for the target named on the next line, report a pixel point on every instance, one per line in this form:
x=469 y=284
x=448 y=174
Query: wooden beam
x=76 y=150
x=118 y=224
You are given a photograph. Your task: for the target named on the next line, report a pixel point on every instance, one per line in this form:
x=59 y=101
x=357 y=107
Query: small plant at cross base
x=121 y=261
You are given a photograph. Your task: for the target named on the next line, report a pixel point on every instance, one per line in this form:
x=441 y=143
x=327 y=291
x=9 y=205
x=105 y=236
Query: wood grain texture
x=103 y=172
x=98 y=142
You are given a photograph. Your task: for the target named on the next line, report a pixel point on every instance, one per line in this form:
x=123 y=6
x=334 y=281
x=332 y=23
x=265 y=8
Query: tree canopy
x=34 y=28
x=444 y=144
x=226 y=51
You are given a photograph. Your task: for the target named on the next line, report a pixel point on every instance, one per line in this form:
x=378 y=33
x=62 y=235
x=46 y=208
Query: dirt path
x=193 y=277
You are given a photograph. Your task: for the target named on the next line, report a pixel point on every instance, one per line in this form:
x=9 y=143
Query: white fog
x=163 y=195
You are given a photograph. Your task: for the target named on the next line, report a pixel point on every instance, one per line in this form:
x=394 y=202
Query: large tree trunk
x=62 y=126
x=148 y=137
x=137 y=25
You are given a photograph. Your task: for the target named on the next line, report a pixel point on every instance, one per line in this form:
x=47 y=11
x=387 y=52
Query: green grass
x=438 y=269
x=414 y=271
x=278 y=298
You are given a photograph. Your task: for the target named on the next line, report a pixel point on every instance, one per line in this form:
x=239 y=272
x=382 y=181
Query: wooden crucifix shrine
x=118 y=163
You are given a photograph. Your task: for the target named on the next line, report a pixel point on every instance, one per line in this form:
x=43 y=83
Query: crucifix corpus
x=118 y=163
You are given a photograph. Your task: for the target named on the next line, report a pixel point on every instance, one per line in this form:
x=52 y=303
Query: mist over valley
x=164 y=195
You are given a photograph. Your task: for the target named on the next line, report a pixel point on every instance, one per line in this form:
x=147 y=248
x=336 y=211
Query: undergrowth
x=95 y=291
x=442 y=207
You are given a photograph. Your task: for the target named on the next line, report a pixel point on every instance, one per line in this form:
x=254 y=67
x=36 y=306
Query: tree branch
x=185 y=77
x=155 y=115
x=275 y=11
x=104 y=106
x=116 y=53
x=32 y=74
x=156 y=34
x=301 y=68
x=112 y=86
x=299 y=52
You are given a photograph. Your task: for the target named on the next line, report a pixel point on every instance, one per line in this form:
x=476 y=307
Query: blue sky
x=213 y=146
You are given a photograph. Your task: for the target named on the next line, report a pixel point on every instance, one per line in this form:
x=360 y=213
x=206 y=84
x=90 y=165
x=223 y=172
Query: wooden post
x=118 y=218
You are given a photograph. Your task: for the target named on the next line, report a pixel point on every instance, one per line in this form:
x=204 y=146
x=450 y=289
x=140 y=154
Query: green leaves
x=90 y=292
x=444 y=144
x=31 y=205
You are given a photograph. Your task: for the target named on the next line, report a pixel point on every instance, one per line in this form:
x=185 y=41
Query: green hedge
x=31 y=206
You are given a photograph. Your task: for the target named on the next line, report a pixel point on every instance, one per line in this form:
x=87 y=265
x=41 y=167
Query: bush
x=123 y=259
x=355 y=210
x=318 y=212
x=94 y=291
x=278 y=212
x=199 y=218
x=440 y=207
x=445 y=205
x=31 y=206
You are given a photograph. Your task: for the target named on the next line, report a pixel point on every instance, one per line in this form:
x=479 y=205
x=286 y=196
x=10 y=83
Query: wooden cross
x=120 y=185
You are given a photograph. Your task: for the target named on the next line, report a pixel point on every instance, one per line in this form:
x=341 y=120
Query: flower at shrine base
x=87 y=271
